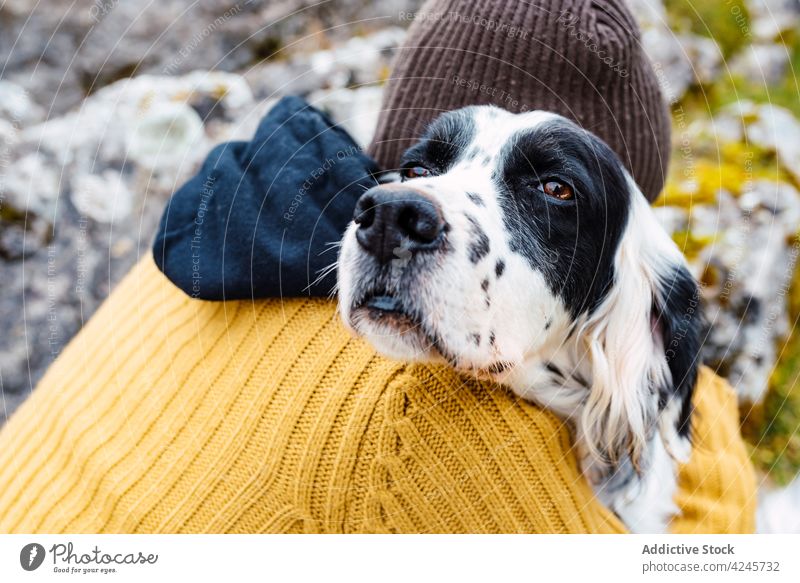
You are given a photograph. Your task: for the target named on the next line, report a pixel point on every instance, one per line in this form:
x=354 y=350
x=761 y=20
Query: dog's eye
x=415 y=172
x=557 y=189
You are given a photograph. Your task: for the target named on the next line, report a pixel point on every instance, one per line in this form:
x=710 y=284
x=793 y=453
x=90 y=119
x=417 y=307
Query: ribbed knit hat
x=578 y=58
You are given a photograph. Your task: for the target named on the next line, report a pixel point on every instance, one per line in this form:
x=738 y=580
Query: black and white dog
x=518 y=247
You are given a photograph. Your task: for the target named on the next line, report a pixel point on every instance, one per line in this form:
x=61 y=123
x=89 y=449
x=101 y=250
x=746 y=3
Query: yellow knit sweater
x=167 y=414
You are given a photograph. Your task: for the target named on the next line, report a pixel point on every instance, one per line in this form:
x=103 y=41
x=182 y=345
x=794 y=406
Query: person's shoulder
x=455 y=454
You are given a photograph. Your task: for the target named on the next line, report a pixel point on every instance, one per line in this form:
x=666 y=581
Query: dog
x=518 y=248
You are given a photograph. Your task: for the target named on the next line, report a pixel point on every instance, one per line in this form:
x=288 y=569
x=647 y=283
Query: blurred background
x=107 y=106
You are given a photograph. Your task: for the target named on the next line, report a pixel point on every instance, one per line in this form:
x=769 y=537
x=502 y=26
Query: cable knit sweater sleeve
x=167 y=414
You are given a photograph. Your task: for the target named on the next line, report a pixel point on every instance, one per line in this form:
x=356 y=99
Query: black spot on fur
x=491 y=338
x=476 y=338
x=479 y=245
x=554 y=369
x=485 y=287
x=499 y=367
x=548 y=324
x=476 y=198
x=499 y=268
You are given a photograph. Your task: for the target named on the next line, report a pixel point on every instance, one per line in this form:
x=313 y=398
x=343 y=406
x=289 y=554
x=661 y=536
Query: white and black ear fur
x=642 y=344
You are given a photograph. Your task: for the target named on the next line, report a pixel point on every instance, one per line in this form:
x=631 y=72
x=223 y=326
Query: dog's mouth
x=381 y=313
x=391 y=315
x=384 y=308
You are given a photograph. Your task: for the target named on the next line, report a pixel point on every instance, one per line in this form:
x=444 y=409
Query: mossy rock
x=772 y=427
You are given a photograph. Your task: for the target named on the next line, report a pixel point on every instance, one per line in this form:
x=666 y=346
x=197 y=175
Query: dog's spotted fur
x=585 y=307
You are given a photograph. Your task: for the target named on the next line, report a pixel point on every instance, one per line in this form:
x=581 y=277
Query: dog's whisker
x=322 y=274
x=330 y=246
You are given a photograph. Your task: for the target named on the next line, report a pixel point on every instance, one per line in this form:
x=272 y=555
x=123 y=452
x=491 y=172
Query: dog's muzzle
x=399 y=231
x=394 y=220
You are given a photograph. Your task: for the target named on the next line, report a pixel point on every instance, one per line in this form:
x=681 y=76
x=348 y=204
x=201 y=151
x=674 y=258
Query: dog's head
x=513 y=238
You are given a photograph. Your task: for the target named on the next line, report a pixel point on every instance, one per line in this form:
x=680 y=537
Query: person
x=171 y=414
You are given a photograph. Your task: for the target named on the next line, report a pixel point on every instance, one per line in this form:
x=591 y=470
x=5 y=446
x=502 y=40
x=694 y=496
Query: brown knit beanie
x=582 y=59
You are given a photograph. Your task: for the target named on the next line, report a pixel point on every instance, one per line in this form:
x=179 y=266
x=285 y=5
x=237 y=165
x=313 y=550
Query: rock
x=648 y=13
x=770 y=18
x=32 y=184
x=94 y=43
x=727 y=128
x=17 y=107
x=13 y=363
x=293 y=77
x=707 y=220
x=671 y=218
x=105 y=159
x=356 y=110
x=42 y=67
x=670 y=63
x=681 y=61
x=359 y=61
x=704 y=55
x=135 y=112
x=747 y=269
x=166 y=136
x=763 y=64
x=9 y=135
x=778 y=508
x=62 y=285
x=778 y=198
x=104 y=198
x=775 y=128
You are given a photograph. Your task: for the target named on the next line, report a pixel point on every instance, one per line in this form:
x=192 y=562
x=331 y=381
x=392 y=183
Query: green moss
x=728 y=88
x=723 y=21
x=785 y=93
x=689 y=244
x=727 y=21
x=715 y=166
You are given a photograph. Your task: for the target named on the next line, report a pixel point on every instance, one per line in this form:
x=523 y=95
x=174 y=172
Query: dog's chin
x=398 y=332
x=392 y=329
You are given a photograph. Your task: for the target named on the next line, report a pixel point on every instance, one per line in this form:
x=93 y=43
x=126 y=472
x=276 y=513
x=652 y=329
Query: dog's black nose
x=392 y=219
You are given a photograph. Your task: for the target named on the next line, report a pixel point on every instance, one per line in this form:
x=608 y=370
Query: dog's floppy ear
x=642 y=343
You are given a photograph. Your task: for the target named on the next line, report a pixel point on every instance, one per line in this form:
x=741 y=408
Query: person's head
x=580 y=59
